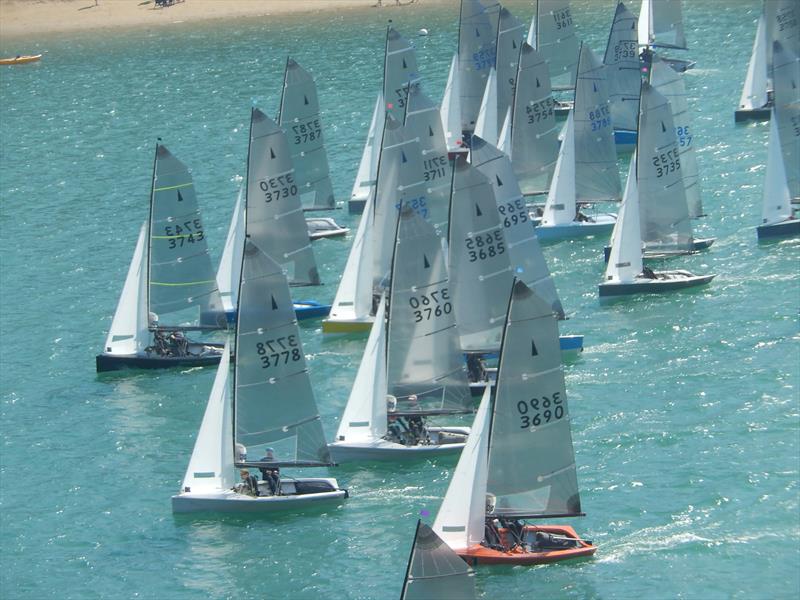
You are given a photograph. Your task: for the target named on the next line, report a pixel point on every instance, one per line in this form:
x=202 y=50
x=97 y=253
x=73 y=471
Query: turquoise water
x=685 y=407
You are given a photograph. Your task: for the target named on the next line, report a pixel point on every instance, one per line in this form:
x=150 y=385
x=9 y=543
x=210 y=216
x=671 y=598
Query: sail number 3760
x=430 y=305
x=540 y=411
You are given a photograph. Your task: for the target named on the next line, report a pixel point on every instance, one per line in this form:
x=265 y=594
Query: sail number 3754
x=540 y=411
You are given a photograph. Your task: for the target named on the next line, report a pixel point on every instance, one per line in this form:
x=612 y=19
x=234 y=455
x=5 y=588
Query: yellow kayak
x=20 y=60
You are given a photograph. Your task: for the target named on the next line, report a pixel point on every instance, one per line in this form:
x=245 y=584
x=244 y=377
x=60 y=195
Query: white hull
x=383 y=450
x=228 y=501
x=602 y=224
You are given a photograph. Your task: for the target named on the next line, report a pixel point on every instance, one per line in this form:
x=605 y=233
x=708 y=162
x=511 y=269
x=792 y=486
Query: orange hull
x=20 y=60
x=478 y=554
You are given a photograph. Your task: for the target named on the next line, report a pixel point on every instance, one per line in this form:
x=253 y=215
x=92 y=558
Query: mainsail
x=777 y=203
x=661 y=24
x=786 y=78
x=531 y=417
x=754 y=91
x=182 y=285
x=451 y=108
x=364 y=185
x=273 y=399
x=300 y=119
x=552 y=33
x=275 y=219
x=625 y=260
x=230 y=263
x=510 y=35
x=399 y=71
x=423 y=354
x=623 y=69
x=477 y=50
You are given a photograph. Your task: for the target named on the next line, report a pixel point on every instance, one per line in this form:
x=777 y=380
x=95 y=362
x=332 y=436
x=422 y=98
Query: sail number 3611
x=282 y=350
x=430 y=305
x=539 y=411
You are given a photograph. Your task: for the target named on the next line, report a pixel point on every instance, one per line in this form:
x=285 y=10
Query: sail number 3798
x=540 y=411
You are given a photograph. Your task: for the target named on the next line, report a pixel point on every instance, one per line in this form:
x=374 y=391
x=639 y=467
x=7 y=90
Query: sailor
x=647 y=273
x=241 y=452
x=271 y=475
x=178 y=343
x=475 y=368
x=491 y=532
x=249 y=485
x=160 y=343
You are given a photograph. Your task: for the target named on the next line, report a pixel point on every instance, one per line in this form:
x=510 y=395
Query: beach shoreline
x=23 y=18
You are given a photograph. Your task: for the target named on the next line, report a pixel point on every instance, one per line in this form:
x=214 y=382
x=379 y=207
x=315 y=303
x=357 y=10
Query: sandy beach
x=20 y=18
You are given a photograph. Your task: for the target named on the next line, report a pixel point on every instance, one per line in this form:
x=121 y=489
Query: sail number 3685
x=481 y=247
x=282 y=350
x=539 y=411
x=430 y=305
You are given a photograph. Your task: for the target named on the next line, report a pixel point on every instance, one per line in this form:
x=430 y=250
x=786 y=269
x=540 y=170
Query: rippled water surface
x=685 y=407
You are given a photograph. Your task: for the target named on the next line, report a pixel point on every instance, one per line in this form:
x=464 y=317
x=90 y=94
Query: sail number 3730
x=275 y=188
x=540 y=411
x=280 y=351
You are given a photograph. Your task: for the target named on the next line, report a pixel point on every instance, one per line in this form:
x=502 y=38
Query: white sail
x=364 y=185
x=531 y=417
x=777 y=203
x=670 y=84
x=129 y=333
x=504 y=139
x=786 y=79
x=353 y=299
x=300 y=119
x=661 y=24
x=523 y=247
x=754 y=91
x=460 y=520
x=623 y=69
x=534 y=134
x=424 y=123
x=477 y=50
x=365 y=417
x=211 y=467
x=273 y=399
x=664 y=212
x=552 y=33
x=486 y=125
x=451 y=108
x=596 y=171
x=230 y=263
x=479 y=261
x=399 y=71
x=435 y=571
x=182 y=284
x=275 y=220
x=510 y=35
x=560 y=207
x=424 y=357
x=625 y=260
x=782 y=20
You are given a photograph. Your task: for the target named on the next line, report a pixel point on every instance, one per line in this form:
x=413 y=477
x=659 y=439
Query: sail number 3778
x=282 y=350
x=540 y=411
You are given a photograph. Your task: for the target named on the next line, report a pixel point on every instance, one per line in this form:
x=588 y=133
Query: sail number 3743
x=540 y=411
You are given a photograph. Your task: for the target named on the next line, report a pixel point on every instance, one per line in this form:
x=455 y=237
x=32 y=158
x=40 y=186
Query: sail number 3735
x=280 y=351
x=540 y=411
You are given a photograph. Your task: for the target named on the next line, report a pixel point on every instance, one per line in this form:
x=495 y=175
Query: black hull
x=773 y=231
x=743 y=115
x=112 y=362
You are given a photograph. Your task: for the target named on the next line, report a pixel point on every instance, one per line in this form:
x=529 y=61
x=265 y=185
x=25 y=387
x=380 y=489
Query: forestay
x=786 y=78
x=625 y=260
x=623 y=69
x=181 y=279
x=477 y=50
x=273 y=399
x=274 y=214
x=478 y=259
x=423 y=353
x=596 y=171
x=664 y=213
x=531 y=417
x=534 y=134
x=400 y=71
x=669 y=84
x=435 y=571
x=552 y=33
x=524 y=251
x=510 y=35
x=661 y=24
x=300 y=119
x=424 y=123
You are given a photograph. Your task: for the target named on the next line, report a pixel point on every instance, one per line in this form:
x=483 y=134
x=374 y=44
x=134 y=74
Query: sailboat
x=786 y=79
x=552 y=33
x=170 y=286
x=271 y=404
x=435 y=571
x=477 y=52
x=586 y=171
x=364 y=185
x=412 y=361
x=450 y=111
x=492 y=492
x=661 y=26
x=623 y=72
x=625 y=273
x=778 y=217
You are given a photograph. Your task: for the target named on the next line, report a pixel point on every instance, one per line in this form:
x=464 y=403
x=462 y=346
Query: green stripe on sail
x=185 y=283
x=173 y=187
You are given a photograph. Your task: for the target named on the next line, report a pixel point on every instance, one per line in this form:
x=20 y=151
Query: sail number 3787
x=540 y=411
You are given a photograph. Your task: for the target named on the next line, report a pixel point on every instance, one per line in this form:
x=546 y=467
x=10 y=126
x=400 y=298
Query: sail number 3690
x=431 y=305
x=282 y=350
x=539 y=411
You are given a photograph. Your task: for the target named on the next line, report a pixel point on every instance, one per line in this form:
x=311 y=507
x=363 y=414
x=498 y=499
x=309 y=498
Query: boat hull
x=625 y=140
x=347 y=326
x=20 y=60
x=381 y=450
x=602 y=225
x=681 y=280
x=699 y=244
x=356 y=206
x=771 y=231
x=303 y=310
x=228 y=501
x=118 y=362
x=742 y=115
x=324 y=227
x=481 y=555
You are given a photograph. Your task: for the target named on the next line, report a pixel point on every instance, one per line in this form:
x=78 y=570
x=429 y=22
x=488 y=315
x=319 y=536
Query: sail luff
x=230 y=263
